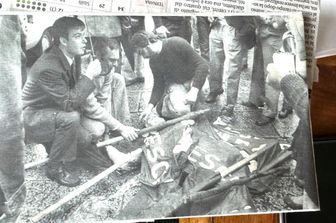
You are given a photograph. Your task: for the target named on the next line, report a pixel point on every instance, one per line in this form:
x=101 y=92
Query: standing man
x=230 y=38
x=179 y=74
x=271 y=30
x=56 y=97
x=129 y=26
x=12 y=183
x=203 y=30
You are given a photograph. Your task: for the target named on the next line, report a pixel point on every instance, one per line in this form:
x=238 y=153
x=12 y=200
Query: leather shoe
x=294 y=202
x=227 y=111
x=61 y=175
x=284 y=113
x=249 y=104
x=213 y=95
x=264 y=120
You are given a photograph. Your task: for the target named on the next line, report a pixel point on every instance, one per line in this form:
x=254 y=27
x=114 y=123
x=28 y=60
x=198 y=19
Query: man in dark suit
x=55 y=99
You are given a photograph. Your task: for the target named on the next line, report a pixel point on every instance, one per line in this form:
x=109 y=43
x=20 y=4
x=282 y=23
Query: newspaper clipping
x=137 y=117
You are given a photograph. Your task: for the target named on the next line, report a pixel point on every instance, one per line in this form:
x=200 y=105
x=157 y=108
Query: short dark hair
x=142 y=39
x=62 y=27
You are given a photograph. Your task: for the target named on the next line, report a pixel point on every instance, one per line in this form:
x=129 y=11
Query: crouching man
x=58 y=101
x=295 y=91
x=178 y=71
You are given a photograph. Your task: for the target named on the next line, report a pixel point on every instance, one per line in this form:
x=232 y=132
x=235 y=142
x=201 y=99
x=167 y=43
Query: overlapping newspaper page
x=309 y=8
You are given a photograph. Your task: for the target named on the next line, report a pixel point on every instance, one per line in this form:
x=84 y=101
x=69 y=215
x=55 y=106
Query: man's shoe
x=227 y=114
x=264 y=120
x=294 y=202
x=62 y=176
x=284 y=113
x=249 y=104
x=227 y=111
x=212 y=96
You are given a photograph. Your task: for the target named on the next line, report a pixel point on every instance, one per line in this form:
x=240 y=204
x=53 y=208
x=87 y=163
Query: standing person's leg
x=217 y=57
x=126 y=44
x=12 y=186
x=139 y=66
x=257 y=86
x=185 y=29
x=119 y=99
x=234 y=56
x=271 y=92
x=195 y=37
x=203 y=29
x=135 y=60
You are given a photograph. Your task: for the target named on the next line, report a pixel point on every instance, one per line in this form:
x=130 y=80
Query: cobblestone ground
x=104 y=200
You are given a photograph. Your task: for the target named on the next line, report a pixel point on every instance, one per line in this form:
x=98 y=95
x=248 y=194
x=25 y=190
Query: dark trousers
x=257 y=87
x=12 y=186
x=203 y=29
x=304 y=154
x=60 y=130
x=127 y=45
x=181 y=28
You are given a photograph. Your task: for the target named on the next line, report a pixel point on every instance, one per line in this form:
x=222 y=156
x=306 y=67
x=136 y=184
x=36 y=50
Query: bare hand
x=94 y=69
x=129 y=133
x=162 y=31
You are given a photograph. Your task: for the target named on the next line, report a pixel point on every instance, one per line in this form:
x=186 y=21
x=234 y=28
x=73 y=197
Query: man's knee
x=94 y=127
x=64 y=119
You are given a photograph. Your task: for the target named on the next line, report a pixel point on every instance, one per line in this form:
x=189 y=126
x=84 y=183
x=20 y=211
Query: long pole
x=191 y=115
x=84 y=187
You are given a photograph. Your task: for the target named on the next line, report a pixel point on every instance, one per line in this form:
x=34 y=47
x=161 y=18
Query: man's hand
x=162 y=31
x=94 y=69
x=146 y=112
x=191 y=96
x=129 y=133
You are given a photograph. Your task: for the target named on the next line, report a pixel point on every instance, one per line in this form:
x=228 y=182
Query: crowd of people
x=74 y=94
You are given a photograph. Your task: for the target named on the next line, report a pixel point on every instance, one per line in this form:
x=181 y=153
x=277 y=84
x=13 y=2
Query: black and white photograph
x=137 y=117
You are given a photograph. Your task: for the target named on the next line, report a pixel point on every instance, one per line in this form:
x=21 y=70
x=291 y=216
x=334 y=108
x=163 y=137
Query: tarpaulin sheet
x=179 y=158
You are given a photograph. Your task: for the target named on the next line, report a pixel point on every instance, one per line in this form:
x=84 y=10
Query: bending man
x=179 y=74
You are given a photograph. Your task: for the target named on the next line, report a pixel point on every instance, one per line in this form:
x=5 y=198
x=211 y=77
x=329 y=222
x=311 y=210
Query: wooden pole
x=84 y=187
x=36 y=163
x=191 y=115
